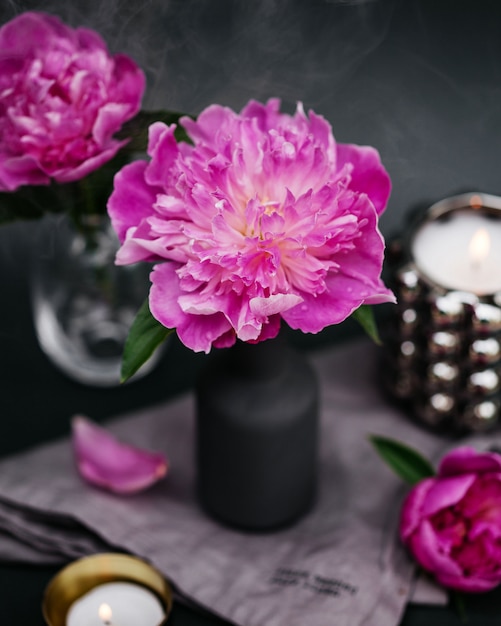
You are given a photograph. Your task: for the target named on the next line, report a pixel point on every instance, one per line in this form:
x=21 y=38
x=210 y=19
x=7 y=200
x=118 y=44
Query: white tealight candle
x=462 y=252
x=116 y=604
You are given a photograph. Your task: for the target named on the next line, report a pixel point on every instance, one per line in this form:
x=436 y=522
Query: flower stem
x=458 y=601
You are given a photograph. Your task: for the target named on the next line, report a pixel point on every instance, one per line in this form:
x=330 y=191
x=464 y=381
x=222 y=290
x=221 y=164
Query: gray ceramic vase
x=257 y=432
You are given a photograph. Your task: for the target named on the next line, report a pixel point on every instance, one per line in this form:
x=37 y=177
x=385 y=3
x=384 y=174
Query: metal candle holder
x=83 y=575
x=444 y=345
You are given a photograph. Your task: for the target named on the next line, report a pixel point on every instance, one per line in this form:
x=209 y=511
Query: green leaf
x=136 y=129
x=145 y=335
x=365 y=317
x=406 y=462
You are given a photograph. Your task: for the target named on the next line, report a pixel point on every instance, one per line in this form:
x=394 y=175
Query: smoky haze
x=420 y=79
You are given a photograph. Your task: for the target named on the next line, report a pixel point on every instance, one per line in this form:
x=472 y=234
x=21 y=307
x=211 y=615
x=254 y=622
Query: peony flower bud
x=451 y=523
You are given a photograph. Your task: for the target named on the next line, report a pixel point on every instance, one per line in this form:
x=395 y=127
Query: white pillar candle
x=462 y=252
x=116 y=604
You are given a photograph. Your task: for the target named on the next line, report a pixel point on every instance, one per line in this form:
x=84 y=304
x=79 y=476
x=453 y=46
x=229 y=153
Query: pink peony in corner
x=452 y=522
x=62 y=98
x=106 y=462
x=265 y=217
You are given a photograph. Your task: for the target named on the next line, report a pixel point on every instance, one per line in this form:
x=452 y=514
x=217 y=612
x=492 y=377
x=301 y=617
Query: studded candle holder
x=443 y=340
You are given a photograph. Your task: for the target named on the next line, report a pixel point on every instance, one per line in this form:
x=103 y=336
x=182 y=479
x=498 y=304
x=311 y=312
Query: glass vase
x=83 y=304
x=257 y=429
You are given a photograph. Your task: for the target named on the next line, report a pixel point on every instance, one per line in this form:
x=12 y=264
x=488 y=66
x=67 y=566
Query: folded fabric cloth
x=341 y=564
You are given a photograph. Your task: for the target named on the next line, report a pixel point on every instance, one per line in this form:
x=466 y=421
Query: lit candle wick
x=479 y=247
x=105 y=614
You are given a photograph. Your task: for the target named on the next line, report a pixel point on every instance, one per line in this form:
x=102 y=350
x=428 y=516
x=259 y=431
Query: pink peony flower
x=452 y=522
x=62 y=98
x=263 y=218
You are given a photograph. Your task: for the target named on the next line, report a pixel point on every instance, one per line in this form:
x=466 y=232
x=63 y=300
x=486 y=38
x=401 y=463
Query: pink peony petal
x=412 y=508
x=210 y=121
x=480 y=563
x=15 y=171
x=468 y=584
x=129 y=203
x=482 y=503
x=481 y=555
x=368 y=175
x=164 y=295
x=103 y=461
x=464 y=460
x=272 y=305
x=130 y=82
x=343 y=296
x=163 y=149
x=426 y=549
x=446 y=492
x=72 y=173
x=196 y=331
x=109 y=120
x=450 y=528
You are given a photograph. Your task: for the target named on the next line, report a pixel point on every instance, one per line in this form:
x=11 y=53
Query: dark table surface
x=419 y=79
x=36 y=402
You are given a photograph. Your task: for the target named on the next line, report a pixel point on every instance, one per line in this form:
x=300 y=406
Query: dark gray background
x=418 y=79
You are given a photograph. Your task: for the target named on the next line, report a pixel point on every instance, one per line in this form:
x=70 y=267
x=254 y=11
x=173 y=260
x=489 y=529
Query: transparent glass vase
x=84 y=304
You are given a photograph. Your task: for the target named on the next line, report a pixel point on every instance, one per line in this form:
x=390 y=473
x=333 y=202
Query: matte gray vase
x=257 y=432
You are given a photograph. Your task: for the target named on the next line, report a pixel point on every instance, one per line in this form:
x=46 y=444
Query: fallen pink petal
x=104 y=461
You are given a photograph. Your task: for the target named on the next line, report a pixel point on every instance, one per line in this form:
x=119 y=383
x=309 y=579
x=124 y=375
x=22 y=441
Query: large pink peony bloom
x=62 y=97
x=452 y=522
x=264 y=217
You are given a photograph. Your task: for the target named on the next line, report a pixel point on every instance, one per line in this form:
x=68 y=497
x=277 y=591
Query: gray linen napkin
x=341 y=564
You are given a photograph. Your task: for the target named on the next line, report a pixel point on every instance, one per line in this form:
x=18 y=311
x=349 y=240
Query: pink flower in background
x=263 y=218
x=62 y=98
x=452 y=522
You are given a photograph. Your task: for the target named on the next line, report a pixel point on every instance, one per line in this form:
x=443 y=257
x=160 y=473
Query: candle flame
x=479 y=247
x=476 y=202
x=105 y=613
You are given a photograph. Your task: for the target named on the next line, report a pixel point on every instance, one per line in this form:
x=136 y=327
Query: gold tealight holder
x=444 y=337
x=110 y=590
